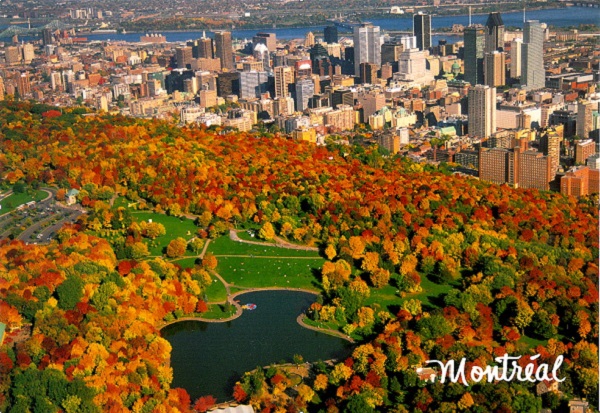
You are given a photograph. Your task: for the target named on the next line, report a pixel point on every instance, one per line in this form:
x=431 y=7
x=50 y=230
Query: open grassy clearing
x=175 y=227
x=12 y=201
x=270 y=272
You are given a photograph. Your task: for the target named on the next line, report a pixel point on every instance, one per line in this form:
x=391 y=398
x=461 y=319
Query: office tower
x=47 y=37
x=305 y=89
x=408 y=42
x=387 y=71
x=204 y=48
x=494 y=70
x=261 y=54
x=474 y=38
x=303 y=68
x=534 y=170
x=390 y=52
x=516 y=46
x=184 y=56
x=422 y=30
x=12 y=55
x=368 y=73
x=342 y=97
x=331 y=34
x=28 y=53
x=224 y=49
x=284 y=76
x=253 y=84
x=412 y=66
x=23 y=84
x=482 y=111
x=228 y=84
x=550 y=146
x=494 y=33
x=585 y=111
x=367 y=46
x=268 y=39
x=309 y=39
x=533 y=75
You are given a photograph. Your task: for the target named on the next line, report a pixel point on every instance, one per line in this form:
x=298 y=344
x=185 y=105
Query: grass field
x=174 y=226
x=215 y=312
x=270 y=272
x=225 y=246
x=15 y=199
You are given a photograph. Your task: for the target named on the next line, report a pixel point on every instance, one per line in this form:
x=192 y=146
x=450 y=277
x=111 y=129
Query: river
x=571 y=16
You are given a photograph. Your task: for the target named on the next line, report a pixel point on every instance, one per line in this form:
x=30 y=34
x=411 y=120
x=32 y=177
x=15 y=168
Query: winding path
x=279 y=242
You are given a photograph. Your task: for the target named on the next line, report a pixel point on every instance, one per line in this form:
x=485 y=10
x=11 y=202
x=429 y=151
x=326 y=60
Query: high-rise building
x=534 y=170
x=309 y=39
x=184 y=56
x=550 y=146
x=224 y=49
x=533 y=75
x=494 y=33
x=204 y=48
x=494 y=69
x=516 y=46
x=284 y=76
x=47 y=37
x=585 y=112
x=268 y=39
x=474 y=38
x=253 y=84
x=583 y=150
x=12 y=55
x=367 y=46
x=412 y=67
x=482 y=111
x=228 y=83
x=422 y=30
x=408 y=42
x=28 y=53
x=331 y=34
x=390 y=52
x=368 y=73
x=261 y=54
x=305 y=89
x=23 y=84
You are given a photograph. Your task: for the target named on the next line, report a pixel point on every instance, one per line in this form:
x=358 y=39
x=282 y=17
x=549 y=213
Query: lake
x=208 y=358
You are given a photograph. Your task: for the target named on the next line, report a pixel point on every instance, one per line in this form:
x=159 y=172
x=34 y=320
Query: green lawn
x=385 y=297
x=174 y=226
x=270 y=272
x=215 y=311
x=532 y=342
x=225 y=246
x=430 y=292
x=15 y=199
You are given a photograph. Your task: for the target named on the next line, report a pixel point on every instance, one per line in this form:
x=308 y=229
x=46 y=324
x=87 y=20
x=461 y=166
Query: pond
x=208 y=358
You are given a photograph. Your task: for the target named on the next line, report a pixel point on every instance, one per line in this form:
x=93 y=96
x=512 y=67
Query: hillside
x=419 y=265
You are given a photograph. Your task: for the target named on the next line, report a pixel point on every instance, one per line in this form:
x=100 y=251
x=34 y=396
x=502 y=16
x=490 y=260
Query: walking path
x=279 y=242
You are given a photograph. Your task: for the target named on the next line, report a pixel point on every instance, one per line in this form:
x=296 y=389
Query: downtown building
x=422 y=30
x=482 y=111
x=367 y=46
x=533 y=75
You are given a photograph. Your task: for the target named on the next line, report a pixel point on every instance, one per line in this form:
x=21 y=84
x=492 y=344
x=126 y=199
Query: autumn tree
x=267 y=232
x=176 y=247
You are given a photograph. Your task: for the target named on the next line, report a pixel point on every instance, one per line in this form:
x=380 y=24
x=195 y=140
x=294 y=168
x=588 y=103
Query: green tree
x=70 y=292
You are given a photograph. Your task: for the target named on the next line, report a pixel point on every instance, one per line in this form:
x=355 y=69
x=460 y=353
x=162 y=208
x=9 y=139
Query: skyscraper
x=183 y=56
x=253 y=84
x=284 y=76
x=482 y=111
x=309 y=39
x=422 y=30
x=224 y=49
x=268 y=39
x=516 y=46
x=473 y=56
x=305 y=89
x=367 y=46
x=331 y=34
x=533 y=75
x=494 y=69
x=203 y=48
x=494 y=33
